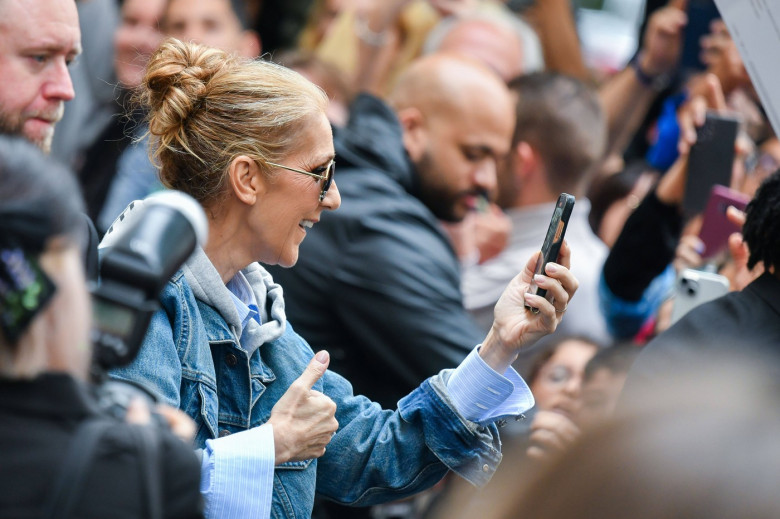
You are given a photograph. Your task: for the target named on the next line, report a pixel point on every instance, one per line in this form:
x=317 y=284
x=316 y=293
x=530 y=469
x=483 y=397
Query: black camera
x=143 y=248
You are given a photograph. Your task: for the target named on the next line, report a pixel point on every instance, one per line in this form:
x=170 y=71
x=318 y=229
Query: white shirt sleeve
x=482 y=395
x=237 y=474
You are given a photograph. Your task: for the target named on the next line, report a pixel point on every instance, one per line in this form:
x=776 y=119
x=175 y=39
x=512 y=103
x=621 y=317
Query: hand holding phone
x=552 y=241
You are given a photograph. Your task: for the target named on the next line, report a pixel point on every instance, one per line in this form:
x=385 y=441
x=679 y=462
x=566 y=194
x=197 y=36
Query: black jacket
x=37 y=422
x=377 y=282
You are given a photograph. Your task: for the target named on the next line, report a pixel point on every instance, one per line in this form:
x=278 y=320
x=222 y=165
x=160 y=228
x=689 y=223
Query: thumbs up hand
x=303 y=419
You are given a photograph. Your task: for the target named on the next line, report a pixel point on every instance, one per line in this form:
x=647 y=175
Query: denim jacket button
x=225 y=432
x=485 y=468
x=231 y=360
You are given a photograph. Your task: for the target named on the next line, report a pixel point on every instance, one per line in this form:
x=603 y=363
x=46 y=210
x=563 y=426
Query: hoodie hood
x=373 y=139
x=208 y=287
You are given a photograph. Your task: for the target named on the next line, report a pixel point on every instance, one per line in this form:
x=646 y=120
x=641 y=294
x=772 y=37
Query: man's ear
x=525 y=162
x=415 y=134
x=251 y=46
x=246 y=179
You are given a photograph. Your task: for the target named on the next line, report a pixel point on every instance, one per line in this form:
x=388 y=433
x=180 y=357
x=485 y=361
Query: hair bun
x=176 y=83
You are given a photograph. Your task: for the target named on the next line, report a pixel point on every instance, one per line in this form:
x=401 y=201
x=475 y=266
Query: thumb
x=531 y=265
x=316 y=368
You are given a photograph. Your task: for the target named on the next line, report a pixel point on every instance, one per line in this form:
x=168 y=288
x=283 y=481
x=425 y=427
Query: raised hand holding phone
x=515 y=325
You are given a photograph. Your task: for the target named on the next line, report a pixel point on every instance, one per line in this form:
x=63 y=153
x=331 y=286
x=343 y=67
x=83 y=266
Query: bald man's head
x=489 y=42
x=458 y=118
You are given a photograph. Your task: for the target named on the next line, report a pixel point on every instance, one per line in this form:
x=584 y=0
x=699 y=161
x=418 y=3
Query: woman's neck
x=225 y=248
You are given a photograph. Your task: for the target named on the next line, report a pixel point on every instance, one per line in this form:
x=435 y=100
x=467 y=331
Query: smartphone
x=710 y=162
x=552 y=240
x=716 y=227
x=700 y=14
x=694 y=287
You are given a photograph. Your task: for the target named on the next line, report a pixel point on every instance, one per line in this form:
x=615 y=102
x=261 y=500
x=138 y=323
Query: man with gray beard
x=38 y=41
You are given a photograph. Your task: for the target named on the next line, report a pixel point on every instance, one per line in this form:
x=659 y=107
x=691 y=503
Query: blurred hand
x=514 y=325
x=551 y=433
x=491 y=232
x=180 y=424
x=662 y=43
x=737 y=270
x=304 y=420
x=688 y=253
x=705 y=94
x=720 y=54
x=480 y=236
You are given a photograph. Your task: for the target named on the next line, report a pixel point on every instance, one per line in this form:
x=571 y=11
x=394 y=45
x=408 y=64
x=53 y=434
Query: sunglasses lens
x=328 y=180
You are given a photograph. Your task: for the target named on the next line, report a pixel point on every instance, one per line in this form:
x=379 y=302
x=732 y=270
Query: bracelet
x=368 y=36
x=658 y=82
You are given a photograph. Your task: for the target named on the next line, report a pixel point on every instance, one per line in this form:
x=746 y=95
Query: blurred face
x=38 y=40
x=461 y=156
x=600 y=395
x=290 y=205
x=136 y=38
x=559 y=382
x=68 y=316
x=208 y=22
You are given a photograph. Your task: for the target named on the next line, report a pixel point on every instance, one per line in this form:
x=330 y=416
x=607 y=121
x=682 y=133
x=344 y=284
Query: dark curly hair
x=761 y=231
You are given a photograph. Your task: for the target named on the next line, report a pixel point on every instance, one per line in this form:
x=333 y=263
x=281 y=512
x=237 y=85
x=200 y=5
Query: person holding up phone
x=222 y=349
x=747 y=319
x=638 y=272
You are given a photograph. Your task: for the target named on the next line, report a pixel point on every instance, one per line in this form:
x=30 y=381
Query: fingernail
x=539 y=279
x=699 y=247
x=322 y=357
x=551 y=268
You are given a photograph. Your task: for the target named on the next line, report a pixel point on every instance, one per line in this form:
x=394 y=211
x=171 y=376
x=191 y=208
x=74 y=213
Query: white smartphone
x=694 y=287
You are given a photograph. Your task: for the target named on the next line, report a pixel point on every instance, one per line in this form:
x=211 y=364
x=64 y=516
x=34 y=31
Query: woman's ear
x=415 y=135
x=246 y=179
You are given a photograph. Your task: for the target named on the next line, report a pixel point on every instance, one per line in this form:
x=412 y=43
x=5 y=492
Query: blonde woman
x=251 y=142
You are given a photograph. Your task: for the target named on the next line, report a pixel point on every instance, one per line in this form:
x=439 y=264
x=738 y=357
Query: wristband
x=656 y=82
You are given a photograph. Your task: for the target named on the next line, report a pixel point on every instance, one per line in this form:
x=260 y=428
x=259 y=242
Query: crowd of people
x=364 y=344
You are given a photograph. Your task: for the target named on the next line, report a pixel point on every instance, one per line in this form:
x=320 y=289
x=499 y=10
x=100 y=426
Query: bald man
x=377 y=282
x=488 y=38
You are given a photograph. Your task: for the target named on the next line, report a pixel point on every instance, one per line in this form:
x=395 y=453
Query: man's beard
x=441 y=201
x=14 y=125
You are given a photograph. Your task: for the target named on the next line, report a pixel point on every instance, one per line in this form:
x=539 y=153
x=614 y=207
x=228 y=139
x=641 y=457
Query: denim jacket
x=193 y=360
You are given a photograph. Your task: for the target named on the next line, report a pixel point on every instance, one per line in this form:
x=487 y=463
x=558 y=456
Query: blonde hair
x=207 y=107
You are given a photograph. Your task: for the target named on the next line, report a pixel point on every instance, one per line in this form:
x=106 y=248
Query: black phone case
x=554 y=238
x=710 y=162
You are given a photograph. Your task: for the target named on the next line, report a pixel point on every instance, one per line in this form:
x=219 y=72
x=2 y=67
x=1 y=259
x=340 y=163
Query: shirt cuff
x=482 y=395
x=237 y=474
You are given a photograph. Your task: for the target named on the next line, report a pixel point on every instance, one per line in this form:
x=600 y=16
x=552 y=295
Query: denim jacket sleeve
x=381 y=454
